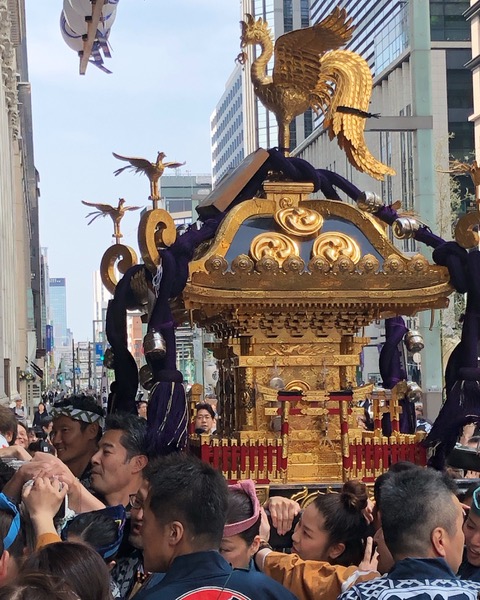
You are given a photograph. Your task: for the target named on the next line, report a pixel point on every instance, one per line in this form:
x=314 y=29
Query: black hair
x=41 y=446
x=8 y=422
x=75 y=563
x=16 y=548
x=240 y=507
x=94 y=528
x=134 y=432
x=185 y=489
x=402 y=465
x=37 y=586
x=6 y=473
x=205 y=406
x=413 y=503
x=344 y=521
x=82 y=402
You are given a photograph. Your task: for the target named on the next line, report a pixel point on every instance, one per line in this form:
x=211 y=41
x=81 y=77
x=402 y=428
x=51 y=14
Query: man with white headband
x=77 y=429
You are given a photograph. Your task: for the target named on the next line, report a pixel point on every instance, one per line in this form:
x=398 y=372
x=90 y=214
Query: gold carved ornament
x=153 y=171
x=156 y=229
x=277 y=246
x=334 y=245
x=310 y=72
x=117 y=257
x=299 y=221
x=466 y=230
x=115 y=212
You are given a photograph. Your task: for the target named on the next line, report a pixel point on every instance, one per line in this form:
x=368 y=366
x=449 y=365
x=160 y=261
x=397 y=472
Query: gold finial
x=115 y=212
x=457 y=167
x=310 y=72
x=153 y=170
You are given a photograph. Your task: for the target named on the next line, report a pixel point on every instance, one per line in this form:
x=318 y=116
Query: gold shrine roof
x=286 y=250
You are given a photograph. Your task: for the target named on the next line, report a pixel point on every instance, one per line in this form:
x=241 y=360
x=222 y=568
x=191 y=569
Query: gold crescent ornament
x=273 y=245
x=299 y=221
x=334 y=245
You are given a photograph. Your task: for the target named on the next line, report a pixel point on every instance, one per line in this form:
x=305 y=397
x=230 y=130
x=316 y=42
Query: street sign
x=77 y=371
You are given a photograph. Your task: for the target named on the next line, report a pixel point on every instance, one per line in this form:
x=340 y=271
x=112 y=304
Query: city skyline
x=159 y=97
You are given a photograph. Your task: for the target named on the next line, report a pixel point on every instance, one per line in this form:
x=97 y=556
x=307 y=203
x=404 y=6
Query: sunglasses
x=8 y=505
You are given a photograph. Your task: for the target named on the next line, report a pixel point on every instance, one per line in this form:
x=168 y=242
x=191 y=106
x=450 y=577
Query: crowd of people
x=97 y=518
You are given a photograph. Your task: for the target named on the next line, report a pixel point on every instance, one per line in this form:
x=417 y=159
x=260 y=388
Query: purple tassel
x=167 y=418
x=124 y=389
x=167 y=408
x=390 y=361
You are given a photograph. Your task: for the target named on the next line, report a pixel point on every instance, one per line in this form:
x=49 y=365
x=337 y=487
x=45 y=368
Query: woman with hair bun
x=333 y=528
x=241 y=537
x=330 y=547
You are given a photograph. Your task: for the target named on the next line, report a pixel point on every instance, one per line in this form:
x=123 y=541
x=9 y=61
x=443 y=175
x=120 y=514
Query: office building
x=182 y=193
x=20 y=301
x=423 y=93
x=58 y=311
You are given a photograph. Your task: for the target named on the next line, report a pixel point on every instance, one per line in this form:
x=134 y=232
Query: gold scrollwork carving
x=465 y=233
x=344 y=265
x=216 y=264
x=318 y=264
x=293 y=264
x=333 y=245
x=117 y=256
x=417 y=264
x=368 y=264
x=157 y=228
x=285 y=202
x=273 y=245
x=242 y=264
x=299 y=220
x=394 y=264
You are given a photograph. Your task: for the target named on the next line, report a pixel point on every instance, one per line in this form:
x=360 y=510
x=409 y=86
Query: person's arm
x=79 y=498
x=43 y=498
x=311 y=578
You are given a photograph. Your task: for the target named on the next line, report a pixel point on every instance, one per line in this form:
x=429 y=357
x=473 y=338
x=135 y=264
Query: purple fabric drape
x=462 y=375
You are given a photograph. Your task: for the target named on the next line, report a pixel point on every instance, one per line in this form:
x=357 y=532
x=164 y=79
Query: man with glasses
x=422 y=522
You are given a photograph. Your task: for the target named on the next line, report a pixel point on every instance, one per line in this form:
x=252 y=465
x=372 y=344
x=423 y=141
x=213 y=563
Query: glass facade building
x=58 y=311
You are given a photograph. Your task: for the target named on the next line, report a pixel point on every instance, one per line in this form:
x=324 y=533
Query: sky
x=170 y=63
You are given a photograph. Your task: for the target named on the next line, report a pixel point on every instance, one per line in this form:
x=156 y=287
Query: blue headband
x=7 y=504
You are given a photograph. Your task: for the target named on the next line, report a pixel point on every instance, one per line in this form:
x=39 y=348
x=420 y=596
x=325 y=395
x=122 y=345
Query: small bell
x=154 y=345
x=405 y=228
x=145 y=376
x=414 y=341
x=414 y=392
x=109 y=359
x=369 y=202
